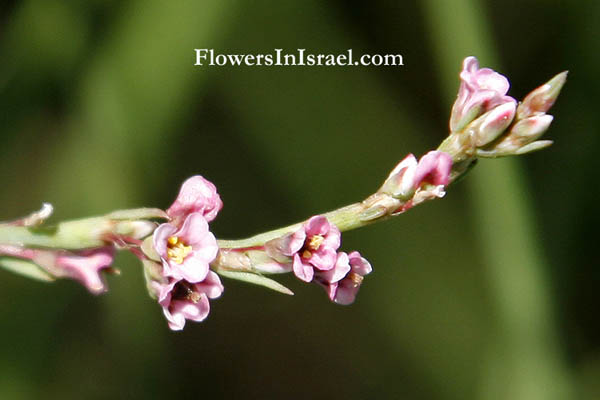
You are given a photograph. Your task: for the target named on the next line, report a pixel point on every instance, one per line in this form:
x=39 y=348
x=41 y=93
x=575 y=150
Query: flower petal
x=194 y=229
x=176 y=321
x=161 y=234
x=197 y=311
x=346 y=292
x=324 y=258
x=317 y=225
x=303 y=271
x=434 y=168
x=359 y=264
x=193 y=269
x=333 y=238
x=211 y=286
x=196 y=195
x=339 y=271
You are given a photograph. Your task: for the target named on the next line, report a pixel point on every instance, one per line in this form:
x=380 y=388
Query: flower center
x=355 y=278
x=315 y=242
x=183 y=291
x=177 y=250
x=312 y=243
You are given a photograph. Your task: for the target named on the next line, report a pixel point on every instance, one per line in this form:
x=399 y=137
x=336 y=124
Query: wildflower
x=434 y=168
x=182 y=300
x=312 y=246
x=480 y=91
x=83 y=266
x=186 y=252
x=342 y=282
x=197 y=195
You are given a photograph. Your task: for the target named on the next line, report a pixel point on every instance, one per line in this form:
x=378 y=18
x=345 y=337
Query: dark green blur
x=490 y=293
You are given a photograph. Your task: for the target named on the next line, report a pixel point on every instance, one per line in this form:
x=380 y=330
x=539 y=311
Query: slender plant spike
x=183 y=261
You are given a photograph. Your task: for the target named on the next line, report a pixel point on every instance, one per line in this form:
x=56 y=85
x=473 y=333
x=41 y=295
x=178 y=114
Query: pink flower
x=186 y=252
x=183 y=300
x=480 y=90
x=312 y=246
x=197 y=195
x=85 y=267
x=434 y=168
x=343 y=281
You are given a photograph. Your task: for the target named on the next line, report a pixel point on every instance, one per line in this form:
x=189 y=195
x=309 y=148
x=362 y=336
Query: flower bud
x=493 y=123
x=534 y=146
x=84 y=266
x=434 y=168
x=529 y=129
x=400 y=183
x=480 y=91
x=541 y=99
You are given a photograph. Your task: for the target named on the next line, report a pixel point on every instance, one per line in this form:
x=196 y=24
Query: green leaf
x=25 y=268
x=256 y=279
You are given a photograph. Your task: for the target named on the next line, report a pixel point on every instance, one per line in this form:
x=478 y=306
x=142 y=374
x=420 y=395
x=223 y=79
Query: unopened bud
x=492 y=124
x=541 y=99
x=529 y=129
x=400 y=183
x=535 y=146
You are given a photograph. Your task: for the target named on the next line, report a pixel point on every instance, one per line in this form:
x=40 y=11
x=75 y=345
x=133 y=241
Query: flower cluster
x=480 y=91
x=312 y=249
x=488 y=123
x=183 y=260
x=186 y=248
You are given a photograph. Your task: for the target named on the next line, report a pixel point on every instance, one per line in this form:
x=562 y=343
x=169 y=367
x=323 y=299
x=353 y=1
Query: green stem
x=345 y=218
x=76 y=234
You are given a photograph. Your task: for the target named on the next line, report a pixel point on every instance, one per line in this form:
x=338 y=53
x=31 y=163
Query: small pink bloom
x=186 y=252
x=183 y=300
x=434 y=168
x=480 y=90
x=197 y=195
x=329 y=279
x=343 y=283
x=312 y=246
x=318 y=250
x=85 y=267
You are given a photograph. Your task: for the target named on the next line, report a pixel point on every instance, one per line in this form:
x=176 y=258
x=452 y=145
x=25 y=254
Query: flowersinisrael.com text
x=299 y=58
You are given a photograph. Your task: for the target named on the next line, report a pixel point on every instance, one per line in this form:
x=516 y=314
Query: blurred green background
x=488 y=294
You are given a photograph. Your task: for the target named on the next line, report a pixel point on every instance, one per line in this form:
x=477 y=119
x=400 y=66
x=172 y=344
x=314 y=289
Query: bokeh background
x=490 y=293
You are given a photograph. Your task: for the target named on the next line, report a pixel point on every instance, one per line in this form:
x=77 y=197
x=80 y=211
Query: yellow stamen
x=177 y=251
x=355 y=278
x=306 y=254
x=315 y=242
